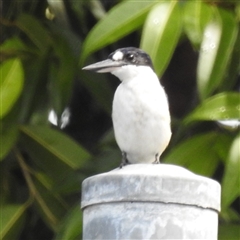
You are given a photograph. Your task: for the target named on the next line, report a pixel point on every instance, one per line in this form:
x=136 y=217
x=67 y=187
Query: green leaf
x=12 y=46
x=49 y=204
x=161 y=33
x=122 y=19
x=216 y=49
x=8 y=137
x=229 y=215
x=71 y=228
x=35 y=31
x=231 y=180
x=222 y=106
x=8 y=134
x=195 y=154
x=11 y=84
x=196 y=16
x=34 y=94
x=234 y=66
x=237 y=9
x=12 y=220
x=229 y=231
x=54 y=152
x=222 y=146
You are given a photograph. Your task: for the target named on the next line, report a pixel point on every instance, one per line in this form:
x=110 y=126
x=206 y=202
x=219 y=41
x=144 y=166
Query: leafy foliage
x=42 y=167
x=11 y=84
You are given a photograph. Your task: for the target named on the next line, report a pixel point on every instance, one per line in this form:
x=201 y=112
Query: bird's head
x=124 y=62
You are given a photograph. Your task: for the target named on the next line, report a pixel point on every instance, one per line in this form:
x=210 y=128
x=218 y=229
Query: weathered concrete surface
x=150 y=201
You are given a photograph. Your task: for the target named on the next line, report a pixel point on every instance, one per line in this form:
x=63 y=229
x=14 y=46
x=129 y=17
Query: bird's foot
x=124 y=160
x=157 y=160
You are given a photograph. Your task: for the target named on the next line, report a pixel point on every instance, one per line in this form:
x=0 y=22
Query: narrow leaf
x=11 y=84
x=122 y=19
x=196 y=16
x=161 y=33
x=53 y=151
x=222 y=106
x=231 y=180
x=12 y=220
x=216 y=48
x=195 y=154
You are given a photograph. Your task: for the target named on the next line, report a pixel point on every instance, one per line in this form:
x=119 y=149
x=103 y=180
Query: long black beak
x=104 y=66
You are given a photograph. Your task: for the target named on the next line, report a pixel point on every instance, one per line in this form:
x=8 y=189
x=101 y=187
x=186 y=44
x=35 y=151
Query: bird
x=140 y=109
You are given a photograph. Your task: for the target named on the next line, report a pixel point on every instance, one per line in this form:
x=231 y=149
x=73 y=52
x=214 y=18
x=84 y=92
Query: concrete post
x=150 y=201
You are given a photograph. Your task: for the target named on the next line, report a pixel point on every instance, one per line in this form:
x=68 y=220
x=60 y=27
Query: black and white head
x=123 y=62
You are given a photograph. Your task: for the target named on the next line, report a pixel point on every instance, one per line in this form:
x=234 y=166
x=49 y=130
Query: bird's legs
x=157 y=160
x=124 y=160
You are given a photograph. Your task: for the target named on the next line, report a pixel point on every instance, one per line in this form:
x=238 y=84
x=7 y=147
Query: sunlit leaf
x=196 y=16
x=11 y=84
x=53 y=151
x=216 y=48
x=12 y=220
x=222 y=106
x=119 y=21
x=195 y=154
x=161 y=33
x=231 y=179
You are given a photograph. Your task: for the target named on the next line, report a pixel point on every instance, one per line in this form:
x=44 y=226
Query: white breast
x=140 y=115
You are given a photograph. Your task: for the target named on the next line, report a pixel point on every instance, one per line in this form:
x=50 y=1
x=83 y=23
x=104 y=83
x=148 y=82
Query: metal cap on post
x=150 y=201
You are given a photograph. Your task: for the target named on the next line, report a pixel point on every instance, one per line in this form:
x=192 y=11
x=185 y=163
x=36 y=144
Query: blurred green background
x=56 y=125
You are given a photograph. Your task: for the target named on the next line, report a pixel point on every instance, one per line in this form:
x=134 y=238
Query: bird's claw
x=157 y=160
x=124 y=160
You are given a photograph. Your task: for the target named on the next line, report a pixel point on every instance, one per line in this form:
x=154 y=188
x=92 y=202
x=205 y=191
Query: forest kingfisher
x=140 y=111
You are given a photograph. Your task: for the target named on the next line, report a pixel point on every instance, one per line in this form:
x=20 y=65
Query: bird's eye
x=130 y=57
